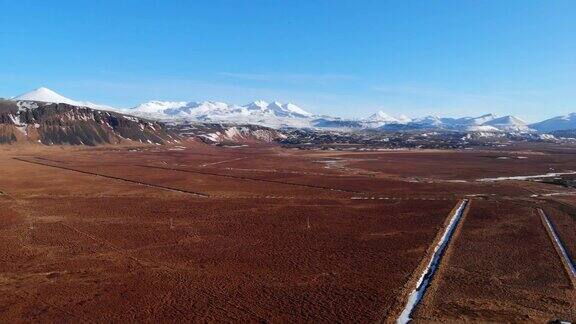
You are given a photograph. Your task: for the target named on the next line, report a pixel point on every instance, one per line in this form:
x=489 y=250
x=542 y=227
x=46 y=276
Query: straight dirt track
x=249 y=179
x=199 y=194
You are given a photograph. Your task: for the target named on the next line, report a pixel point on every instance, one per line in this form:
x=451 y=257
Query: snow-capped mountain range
x=259 y=112
x=281 y=115
x=484 y=123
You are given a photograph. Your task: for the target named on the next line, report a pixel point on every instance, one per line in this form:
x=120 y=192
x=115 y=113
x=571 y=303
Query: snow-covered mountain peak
x=485 y=118
x=404 y=119
x=564 y=122
x=277 y=108
x=295 y=109
x=289 y=109
x=158 y=106
x=382 y=119
x=208 y=104
x=508 y=123
x=44 y=94
x=381 y=116
x=257 y=105
x=476 y=121
x=489 y=116
x=510 y=119
x=378 y=115
x=429 y=120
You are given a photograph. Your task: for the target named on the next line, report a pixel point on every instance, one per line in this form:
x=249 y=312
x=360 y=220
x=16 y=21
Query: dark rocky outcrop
x=59 y=124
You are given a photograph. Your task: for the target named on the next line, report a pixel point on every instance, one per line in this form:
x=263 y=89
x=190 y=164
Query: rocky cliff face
x=60 y=123
x=217 y=133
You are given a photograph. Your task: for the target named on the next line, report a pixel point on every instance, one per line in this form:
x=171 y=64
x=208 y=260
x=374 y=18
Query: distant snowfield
x=547 y=175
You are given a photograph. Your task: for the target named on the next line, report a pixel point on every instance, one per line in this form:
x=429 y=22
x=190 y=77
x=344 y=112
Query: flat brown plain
x=256 y=234
x=502 y=267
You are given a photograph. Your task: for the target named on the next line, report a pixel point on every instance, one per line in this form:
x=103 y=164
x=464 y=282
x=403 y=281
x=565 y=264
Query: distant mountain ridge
x=288 y=115
x=560 y=123
x=508 y=123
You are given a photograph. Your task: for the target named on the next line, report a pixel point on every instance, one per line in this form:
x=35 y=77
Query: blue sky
x=347 y=58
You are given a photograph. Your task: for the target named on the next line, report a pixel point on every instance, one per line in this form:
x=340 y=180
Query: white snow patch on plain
x=547 y=175
x=560 y=245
